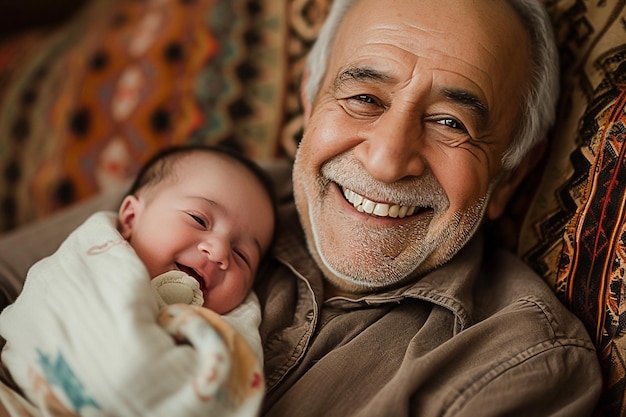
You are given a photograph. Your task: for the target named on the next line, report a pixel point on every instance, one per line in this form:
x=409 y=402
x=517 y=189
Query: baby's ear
x=127 y=214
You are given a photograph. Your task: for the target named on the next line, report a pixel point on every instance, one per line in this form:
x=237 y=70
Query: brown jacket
x=481 y=336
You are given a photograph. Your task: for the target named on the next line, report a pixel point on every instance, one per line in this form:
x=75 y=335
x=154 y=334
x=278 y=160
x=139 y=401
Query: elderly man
x=419 y=116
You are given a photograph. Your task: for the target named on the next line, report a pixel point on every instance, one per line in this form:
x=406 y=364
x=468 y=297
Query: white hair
x=540 y=99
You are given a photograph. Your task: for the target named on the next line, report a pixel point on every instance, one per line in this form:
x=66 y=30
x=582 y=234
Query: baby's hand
x=174 y=287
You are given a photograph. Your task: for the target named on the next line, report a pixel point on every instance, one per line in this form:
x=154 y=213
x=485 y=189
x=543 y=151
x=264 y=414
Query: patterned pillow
x=574 y=233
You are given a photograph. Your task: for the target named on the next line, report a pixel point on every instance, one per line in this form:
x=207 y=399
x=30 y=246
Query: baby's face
x=214 y=221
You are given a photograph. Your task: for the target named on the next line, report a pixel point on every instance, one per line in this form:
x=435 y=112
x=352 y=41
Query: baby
x=87 y=336
x=208 y=214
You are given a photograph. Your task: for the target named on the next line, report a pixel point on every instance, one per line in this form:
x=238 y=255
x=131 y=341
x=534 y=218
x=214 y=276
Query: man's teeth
x=364 y=205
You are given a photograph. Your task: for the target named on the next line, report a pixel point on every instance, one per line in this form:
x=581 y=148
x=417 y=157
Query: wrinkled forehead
x=489 y=22
x=481 y=39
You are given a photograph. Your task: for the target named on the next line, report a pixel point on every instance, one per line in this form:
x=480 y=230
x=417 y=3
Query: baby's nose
x=216 y=251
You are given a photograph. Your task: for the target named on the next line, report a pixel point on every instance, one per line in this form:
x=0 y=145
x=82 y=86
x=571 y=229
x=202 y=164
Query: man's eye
x=363 y=106
x=364 y=98
x=198 y=220
x=452 y=124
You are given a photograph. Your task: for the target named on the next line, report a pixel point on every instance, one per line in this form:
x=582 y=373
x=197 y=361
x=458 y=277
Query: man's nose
x=217 y=250
x=392 y=148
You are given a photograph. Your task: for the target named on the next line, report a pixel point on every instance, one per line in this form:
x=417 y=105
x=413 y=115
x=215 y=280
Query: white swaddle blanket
x=86 y=337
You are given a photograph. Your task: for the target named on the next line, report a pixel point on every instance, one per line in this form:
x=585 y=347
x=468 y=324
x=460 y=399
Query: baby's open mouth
x=192 y=273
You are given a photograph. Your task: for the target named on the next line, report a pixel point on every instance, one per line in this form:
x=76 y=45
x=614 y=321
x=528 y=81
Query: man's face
x=403 y=143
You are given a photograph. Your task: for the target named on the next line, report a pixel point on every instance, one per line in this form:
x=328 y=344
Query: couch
x=84 y=104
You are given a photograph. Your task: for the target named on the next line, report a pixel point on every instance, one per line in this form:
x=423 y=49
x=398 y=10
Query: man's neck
x=331 y=291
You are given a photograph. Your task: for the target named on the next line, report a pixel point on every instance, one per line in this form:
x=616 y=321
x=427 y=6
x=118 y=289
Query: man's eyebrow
x=355 y=73
x=470 y=101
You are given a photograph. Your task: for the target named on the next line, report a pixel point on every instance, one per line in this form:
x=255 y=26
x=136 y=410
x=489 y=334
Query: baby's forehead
x=223 y=172
x=195 y=164
x=229 y=167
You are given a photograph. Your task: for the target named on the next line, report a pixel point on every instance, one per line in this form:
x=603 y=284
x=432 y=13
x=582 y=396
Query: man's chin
x=355 y=270
x=355 y=261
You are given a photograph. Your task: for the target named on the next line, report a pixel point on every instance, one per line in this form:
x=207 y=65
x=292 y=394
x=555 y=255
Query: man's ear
x=127 y=215
x=510 y=180
x=304 y=97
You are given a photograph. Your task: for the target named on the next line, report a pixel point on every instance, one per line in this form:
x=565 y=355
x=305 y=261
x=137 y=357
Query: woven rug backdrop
x=83 y=106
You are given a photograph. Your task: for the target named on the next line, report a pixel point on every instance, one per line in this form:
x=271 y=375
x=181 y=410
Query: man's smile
x=365 y=205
